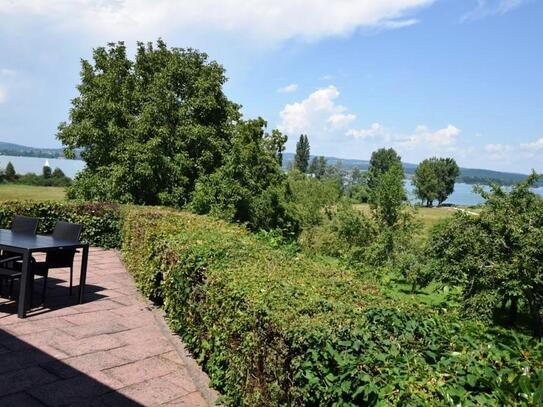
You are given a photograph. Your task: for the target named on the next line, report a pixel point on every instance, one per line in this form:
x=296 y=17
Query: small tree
x=276 y=143
x=301 y=158
x=426 y=182
x=447 y=172
x=434 y=179
x=58 y=173
x=46 y=172
x=389 y=196
x=380 y=162
x=10 y=173
x=318 y=166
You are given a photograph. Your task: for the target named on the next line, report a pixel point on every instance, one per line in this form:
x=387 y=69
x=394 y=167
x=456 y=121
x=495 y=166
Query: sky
x=447 y=78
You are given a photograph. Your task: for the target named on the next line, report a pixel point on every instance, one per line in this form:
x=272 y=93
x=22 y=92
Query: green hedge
x=101 y=222
x=272 y=329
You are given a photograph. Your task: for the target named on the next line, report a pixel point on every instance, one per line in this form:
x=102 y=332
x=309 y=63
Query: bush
x=272 y=329
x=101 y=222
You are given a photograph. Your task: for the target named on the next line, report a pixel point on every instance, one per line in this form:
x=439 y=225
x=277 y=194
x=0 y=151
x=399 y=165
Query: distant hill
x=25 y=151
x=467 y=175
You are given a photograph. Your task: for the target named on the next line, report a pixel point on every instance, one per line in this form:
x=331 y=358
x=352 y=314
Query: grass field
x=428 y=216
x=12 y=192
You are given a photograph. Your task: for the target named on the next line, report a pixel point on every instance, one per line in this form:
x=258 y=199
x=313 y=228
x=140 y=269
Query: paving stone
x=20 y=400
x=149 y=393
x=190 y=400
x=75 y=390
x=100 y=328
x=90 y=362
x=142 y=370
x=20 y=380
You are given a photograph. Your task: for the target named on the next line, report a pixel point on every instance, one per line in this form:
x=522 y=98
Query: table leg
x=83 y=275
x=24 y=285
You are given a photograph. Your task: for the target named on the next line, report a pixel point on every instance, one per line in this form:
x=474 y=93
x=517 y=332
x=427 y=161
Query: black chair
x=23 y=225
x=63 y=258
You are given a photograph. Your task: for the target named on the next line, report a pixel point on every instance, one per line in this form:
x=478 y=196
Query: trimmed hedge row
x=272 y=329
x=101 y=222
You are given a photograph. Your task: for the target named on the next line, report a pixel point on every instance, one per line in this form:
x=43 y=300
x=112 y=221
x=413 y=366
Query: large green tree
x=301 y=158
x=148 y=128
x=434 y=179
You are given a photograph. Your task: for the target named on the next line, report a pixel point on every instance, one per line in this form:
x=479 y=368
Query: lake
x=33 y=164
x=463 y=193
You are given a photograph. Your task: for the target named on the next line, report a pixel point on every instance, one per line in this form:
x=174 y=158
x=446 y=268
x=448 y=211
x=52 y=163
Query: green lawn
x=13 y=192
x=428 y=216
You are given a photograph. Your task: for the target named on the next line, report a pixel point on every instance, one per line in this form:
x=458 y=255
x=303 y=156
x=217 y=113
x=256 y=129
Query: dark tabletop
x=12 y=240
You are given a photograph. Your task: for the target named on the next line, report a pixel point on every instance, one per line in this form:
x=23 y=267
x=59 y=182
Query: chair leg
x=44 y=288
x=71 y=278
x=31 y=283
x=11 y=288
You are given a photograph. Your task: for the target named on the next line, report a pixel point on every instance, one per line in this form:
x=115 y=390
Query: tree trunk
x=535 y=310
x=513 y=311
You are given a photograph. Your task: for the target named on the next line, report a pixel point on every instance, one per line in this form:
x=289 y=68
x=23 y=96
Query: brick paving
x=114 y=350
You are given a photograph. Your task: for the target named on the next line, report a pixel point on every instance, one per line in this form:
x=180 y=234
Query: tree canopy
x=149 y=127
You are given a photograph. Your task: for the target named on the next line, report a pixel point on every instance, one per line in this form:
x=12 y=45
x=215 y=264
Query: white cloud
x=486 y=8
x=316 y=115
x=339 y=120
x=273 y=20
x=441 y=138
x=498 y=151
x=376 y=130
x=533 y=147
x=293 y=87
x=327 y=77
x=7 y=72
x=3 y=95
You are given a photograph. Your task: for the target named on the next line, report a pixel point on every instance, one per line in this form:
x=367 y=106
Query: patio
x=113 y=350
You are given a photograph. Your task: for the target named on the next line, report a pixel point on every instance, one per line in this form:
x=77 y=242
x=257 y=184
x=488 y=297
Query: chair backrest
x=67 y=231
x=63 y=258
x=24 y=224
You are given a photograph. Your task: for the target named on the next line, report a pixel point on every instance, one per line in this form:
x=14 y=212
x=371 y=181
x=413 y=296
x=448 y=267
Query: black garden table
x=28 y=244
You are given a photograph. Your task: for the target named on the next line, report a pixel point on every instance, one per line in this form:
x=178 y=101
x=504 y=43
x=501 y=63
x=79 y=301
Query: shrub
x=495 y=257
x=101 y=222
x=273 y=329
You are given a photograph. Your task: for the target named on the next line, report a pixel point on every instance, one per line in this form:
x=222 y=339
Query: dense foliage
x=149 y=128
x=434 y=179
x=272 y=329
x=497 y=257
x=250 y=187
x=101 y=222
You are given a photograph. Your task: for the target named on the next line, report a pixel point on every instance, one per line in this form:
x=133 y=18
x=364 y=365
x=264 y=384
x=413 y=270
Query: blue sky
x=460 y=78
